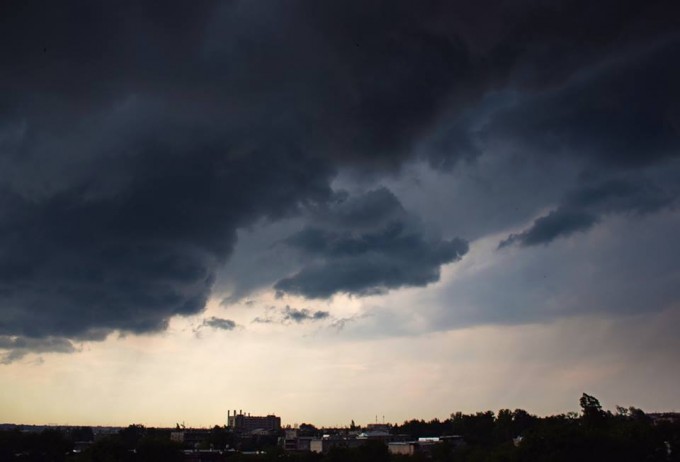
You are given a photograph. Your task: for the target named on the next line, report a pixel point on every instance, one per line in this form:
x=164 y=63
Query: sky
x=336 y=211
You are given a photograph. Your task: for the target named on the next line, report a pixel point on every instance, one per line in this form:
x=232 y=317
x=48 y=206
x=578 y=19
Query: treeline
x=594 y=434
x=516 y=436
x=48 y=445
x=132 y=444
x=482 y=428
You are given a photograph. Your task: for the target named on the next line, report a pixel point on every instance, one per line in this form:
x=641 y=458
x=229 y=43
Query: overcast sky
x=336 y=210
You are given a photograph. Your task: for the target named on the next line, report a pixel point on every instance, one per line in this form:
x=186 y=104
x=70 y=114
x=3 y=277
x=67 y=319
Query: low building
x=378 y=427
x=375 y=435
x=423 y=446
x=292 y=441
x=325 y=444
x=304 y=443
x=404 y=448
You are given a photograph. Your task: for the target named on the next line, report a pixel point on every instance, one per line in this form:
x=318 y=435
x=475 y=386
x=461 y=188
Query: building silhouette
x=245 y=423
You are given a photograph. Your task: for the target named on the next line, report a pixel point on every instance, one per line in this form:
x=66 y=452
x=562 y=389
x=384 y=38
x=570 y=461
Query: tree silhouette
x=592 y=410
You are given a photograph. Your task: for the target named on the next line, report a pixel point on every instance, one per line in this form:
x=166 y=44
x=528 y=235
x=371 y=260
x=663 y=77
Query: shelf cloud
x=138 y=139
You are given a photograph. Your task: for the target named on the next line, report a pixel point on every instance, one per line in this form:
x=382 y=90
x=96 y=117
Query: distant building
x=404 y=448
x=245 y=423
x=375 y=435
x=304 y=443
x=325 y=444
x=292 y=441
x=378 y=427
x=410 y=448
x=423 y=446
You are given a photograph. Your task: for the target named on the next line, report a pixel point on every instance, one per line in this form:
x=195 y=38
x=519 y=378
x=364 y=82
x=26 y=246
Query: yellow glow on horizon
x=305 y=373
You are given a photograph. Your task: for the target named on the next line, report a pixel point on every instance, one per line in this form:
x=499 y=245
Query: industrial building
x=245 y=423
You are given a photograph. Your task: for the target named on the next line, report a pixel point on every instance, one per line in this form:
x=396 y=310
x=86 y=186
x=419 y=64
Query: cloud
x=135 y=144
x=370 y=244
x=616 y=114
x=298 y=316
x=340 y=323
x=73 y=265
x=583 y=208
x=560 y=222
x=219 y=323
x=288 y=314
x=626 y=266
x=126 y=193
x=18 y=347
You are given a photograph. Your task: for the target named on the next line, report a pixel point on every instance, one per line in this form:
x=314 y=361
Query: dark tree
x=131 y=435
x=152 y=449
x=592 y=410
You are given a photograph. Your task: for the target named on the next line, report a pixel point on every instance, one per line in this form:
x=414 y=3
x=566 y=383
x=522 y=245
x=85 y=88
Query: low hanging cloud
x=18 y=347
x=583 y=208
x=560 y=222
x=370 y=245
x=135 y=145
x=78 y=266
x=290 y=314
x=219 y=323
x=298 y=316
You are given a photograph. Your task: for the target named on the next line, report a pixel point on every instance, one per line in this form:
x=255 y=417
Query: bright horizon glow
x=298 y=375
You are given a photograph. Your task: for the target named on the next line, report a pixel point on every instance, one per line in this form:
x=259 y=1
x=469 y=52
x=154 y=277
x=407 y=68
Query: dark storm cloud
x=619 y=114
x=18 y=347
x=71 y=264
x=219 y=323
x=370 y=244
x=560 y=222
x=583 y=208
x=136 y=139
